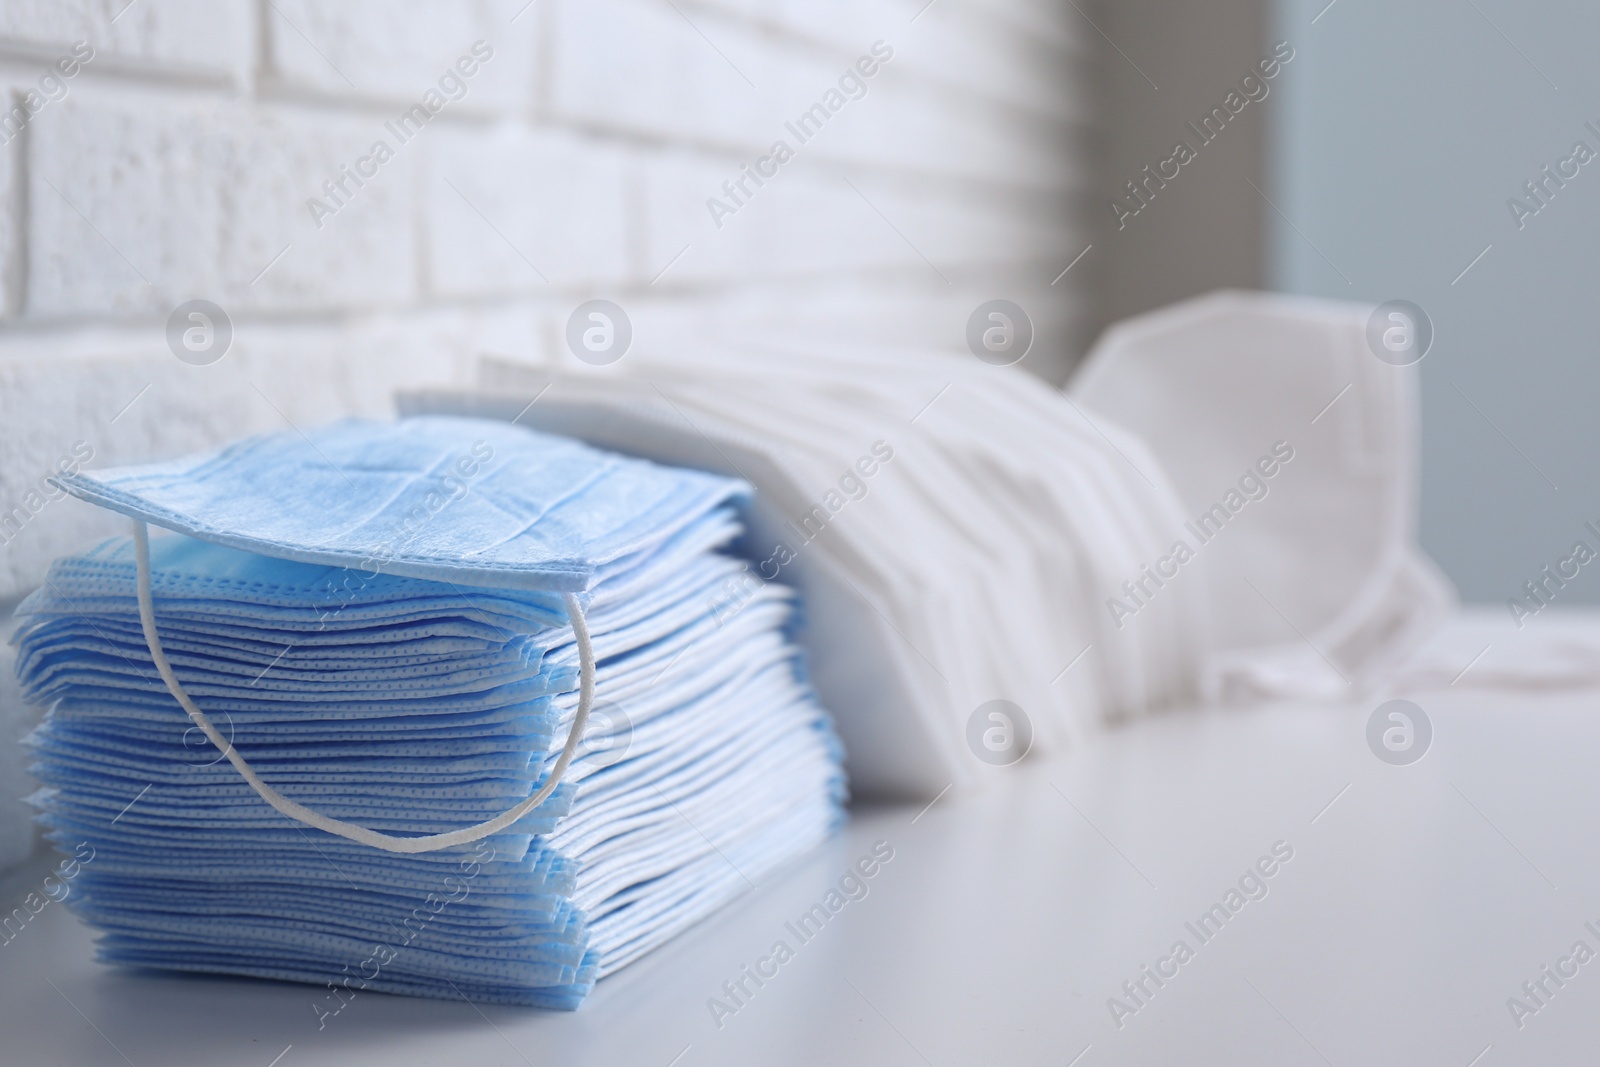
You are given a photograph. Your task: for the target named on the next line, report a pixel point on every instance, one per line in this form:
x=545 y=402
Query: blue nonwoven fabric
x=521 y=509
x=415 y=700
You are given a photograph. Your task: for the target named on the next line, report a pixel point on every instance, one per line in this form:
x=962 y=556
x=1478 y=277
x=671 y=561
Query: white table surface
x=1414 y=906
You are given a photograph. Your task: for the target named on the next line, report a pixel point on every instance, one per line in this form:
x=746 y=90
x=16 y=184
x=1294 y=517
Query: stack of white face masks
x=1221 y=506
x=1295 y=450
x=376 y=619
x=954 y=529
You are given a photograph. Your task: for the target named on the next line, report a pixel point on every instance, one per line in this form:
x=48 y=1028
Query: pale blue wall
x=1403 y=127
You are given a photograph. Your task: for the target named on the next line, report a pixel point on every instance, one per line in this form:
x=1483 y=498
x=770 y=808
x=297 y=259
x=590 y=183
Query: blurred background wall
x=1168 y=64
x=1403 y=135
x=1383 y=164
x=204 y=149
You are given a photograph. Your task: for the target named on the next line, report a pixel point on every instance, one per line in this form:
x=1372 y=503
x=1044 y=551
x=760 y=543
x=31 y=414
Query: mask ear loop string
x=301 y=813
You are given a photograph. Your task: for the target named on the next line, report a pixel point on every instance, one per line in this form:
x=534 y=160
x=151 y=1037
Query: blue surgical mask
x=471 y=501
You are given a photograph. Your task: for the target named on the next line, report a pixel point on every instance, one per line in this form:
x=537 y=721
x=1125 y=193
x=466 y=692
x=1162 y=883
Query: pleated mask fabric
x=413 y=706
x=525 y=509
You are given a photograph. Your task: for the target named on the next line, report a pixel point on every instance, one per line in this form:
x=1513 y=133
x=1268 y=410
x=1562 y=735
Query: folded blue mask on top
x=397 y=658
x=521 y=509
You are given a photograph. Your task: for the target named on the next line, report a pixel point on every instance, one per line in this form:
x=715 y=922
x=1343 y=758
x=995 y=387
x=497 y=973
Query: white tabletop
x=1418 y=900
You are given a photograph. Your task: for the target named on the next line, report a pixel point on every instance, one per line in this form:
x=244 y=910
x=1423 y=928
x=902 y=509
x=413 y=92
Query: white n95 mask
x=1294 y=449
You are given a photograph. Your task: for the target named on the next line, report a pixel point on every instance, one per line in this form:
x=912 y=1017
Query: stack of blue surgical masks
x=423 y=686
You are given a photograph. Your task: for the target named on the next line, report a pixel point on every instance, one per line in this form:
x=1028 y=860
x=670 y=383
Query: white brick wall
x=574 y=162
x=514 y=208
x=140 y=199
x=159 y=39
x=387 y=50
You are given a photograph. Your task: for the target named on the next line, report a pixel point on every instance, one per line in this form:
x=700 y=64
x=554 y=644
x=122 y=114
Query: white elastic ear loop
x=301 y=813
